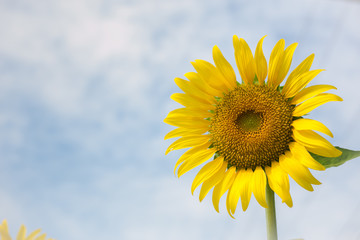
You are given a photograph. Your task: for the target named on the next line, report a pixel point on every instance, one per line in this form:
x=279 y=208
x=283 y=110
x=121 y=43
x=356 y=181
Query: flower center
x=249 y=121
x=251 y=126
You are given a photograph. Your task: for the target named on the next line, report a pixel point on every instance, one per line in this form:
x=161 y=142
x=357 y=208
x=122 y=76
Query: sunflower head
x=251 y=126
x=5 y=235
x=250 y=133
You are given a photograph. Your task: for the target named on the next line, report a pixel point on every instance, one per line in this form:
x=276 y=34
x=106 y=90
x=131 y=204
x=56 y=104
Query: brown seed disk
x=251 y=126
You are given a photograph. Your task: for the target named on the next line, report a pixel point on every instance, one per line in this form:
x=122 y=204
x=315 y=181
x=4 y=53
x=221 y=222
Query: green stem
x=270 y=214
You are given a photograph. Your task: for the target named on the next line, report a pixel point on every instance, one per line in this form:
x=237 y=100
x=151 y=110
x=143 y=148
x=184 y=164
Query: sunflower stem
x=270 y=214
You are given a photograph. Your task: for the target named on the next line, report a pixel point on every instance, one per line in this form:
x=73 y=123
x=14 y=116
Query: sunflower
x=252 y=133
x=4 y=233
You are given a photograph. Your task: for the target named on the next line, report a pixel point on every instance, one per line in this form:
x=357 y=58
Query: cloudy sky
x=85 y=85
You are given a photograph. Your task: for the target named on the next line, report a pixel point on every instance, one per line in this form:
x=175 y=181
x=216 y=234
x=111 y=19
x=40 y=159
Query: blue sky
x=85 y=85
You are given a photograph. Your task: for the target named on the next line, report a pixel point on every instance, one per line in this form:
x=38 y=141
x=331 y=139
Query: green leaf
x=328 y=162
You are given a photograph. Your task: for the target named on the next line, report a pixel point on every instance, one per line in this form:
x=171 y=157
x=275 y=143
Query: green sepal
x=329 y=162
x=256 y=80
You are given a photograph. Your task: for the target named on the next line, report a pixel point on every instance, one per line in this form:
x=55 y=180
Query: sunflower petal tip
x=169 y=149
x=289 y=203
x=166 y=136
x=230 y=212
x=337 y=153
x=193 y=188
x=244 y=207
x=321 y=168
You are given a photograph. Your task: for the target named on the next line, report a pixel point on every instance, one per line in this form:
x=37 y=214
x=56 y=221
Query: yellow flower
x=255 y=130
x=4 y=233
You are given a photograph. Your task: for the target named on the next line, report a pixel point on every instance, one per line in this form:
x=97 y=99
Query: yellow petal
x=302 y=155
x=247 y=61
x=22 y=233
x=188 y=122
x=196 y=160
x=279 y=182
x=303 y=67
x=186 y=142
x=315 y=143
x=315 y=102
x=206 y=172
x=284 y=64
x=224 y=67
x=33 y=234
x=297 y=171
x=244 y=60
x=276 y=60
x=245 y=189
x=184 y=132
x=258 y=185
x=189 y=112
x=177 y=119
x=261 y=64
x=211 y=75
x=302 y=171
x=212 y=181
x=287 y=59
x=41 y=237
x=189 y=101
x=191 y=152
x=299 y=83
x=4 y=225
x=4 y=231
x=223 y=186
x=193 y=91
x=202 y=84
x=234 y=193
x=310 y=92
x=310 y=124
